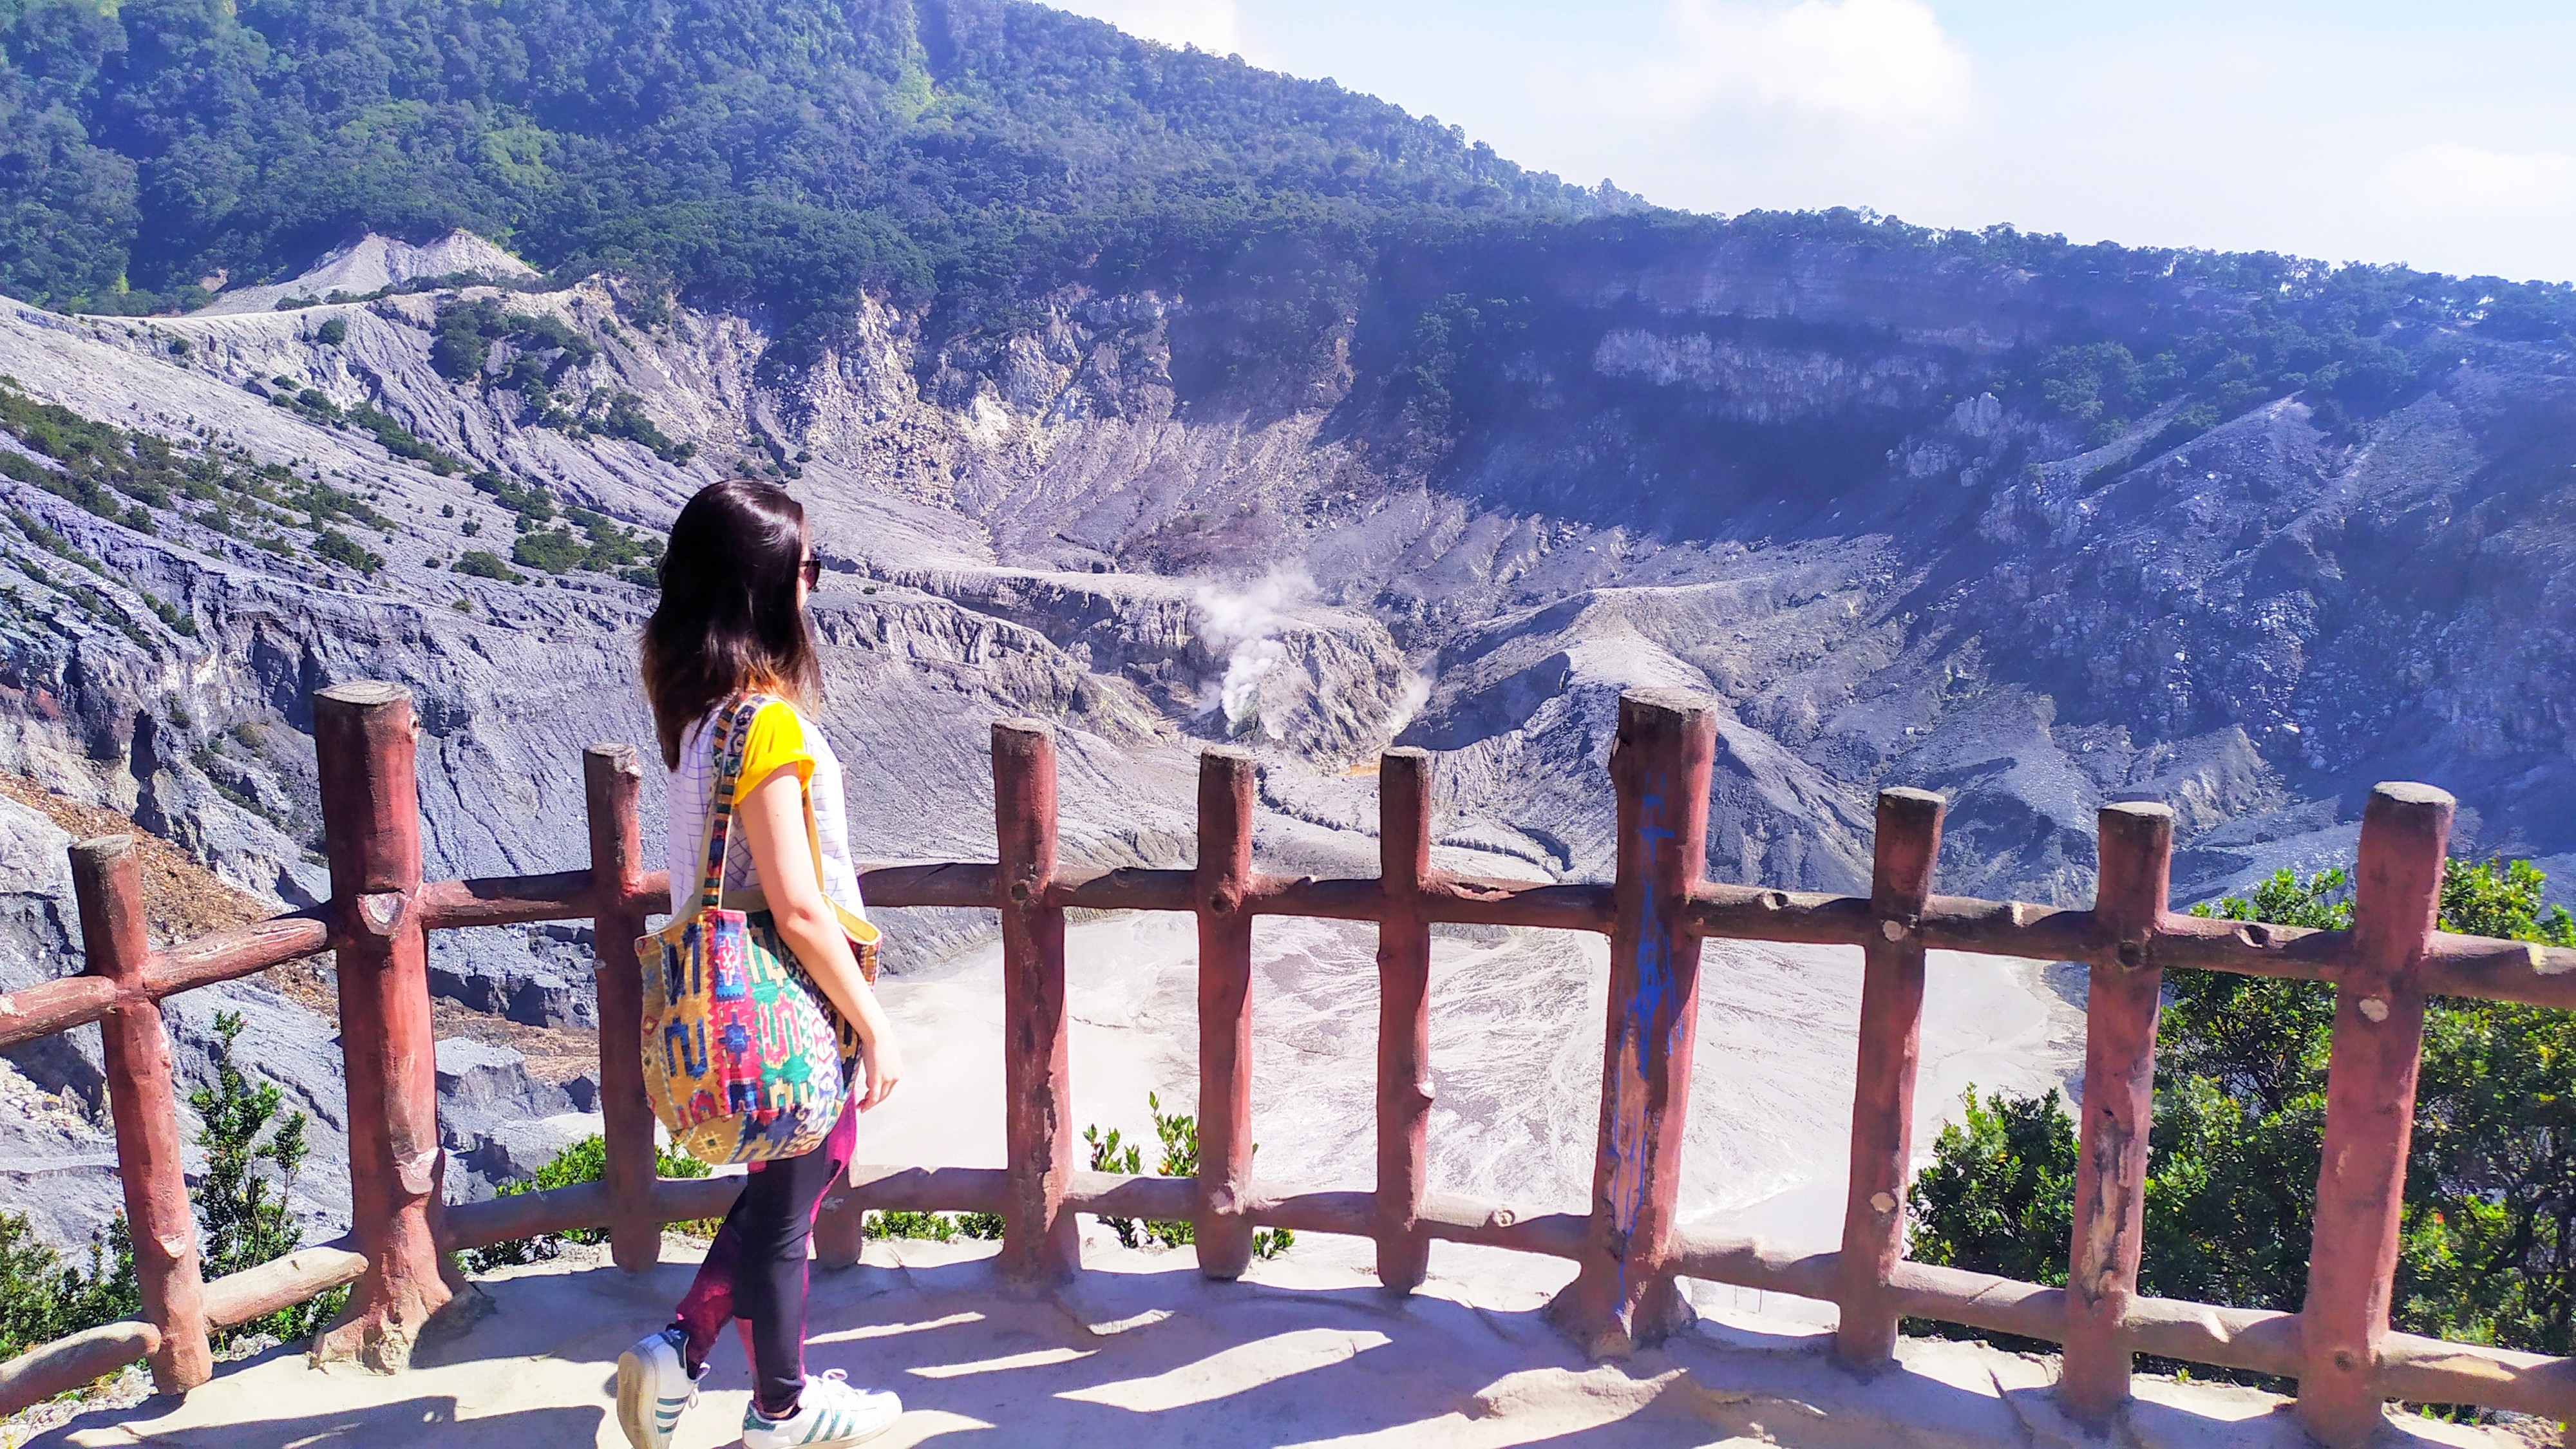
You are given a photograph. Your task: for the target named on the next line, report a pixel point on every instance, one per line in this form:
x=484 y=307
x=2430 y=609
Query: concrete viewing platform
x=1143 y=1351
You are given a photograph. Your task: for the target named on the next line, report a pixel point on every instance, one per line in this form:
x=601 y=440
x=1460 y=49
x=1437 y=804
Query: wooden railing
x=1628 y=1249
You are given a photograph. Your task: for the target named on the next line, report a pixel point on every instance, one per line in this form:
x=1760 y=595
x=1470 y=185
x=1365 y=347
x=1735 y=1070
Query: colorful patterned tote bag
x=744 y=1057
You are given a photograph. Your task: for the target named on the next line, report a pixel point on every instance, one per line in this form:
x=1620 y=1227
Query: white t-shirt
x=780 y=736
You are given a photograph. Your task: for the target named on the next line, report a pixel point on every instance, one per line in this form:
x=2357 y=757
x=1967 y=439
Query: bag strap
x=733 y=736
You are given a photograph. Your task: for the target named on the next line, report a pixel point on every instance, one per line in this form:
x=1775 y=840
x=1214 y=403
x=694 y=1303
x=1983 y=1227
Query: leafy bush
x=1179 y=1136
x=244 y=1214
x=529 y=501
x=42 y=1298
x=2486 y=1252
x=253 y=1151
x=482 y=563
x=583 y=1161
x=339 y=548
x=933 y=1227
x=332 y=332
x=553 y=551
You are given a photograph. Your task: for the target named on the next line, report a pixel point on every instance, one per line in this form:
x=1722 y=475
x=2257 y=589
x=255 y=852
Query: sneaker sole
x=633 y=1414
x=861 y=1438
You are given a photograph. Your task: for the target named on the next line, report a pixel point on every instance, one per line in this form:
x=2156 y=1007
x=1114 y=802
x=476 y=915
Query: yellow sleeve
x=777 y=739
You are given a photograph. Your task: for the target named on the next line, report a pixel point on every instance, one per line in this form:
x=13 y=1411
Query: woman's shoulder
x=779 y=715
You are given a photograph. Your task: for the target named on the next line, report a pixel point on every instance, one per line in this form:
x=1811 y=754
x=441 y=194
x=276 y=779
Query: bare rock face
x=371 y=264
x=1775 y=477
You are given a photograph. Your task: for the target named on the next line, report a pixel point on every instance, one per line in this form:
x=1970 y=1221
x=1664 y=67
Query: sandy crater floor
x=1516 y=1025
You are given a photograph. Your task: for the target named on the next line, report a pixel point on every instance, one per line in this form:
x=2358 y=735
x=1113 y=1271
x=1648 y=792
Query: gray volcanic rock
x=540 y=976
x=1791 y=478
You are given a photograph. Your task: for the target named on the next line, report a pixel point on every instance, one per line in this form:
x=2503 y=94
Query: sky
x=2439 y=133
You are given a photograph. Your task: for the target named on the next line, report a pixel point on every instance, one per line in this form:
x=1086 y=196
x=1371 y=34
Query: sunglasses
x=812 y=569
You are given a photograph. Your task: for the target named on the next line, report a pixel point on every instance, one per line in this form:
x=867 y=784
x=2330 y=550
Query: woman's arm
x=773 y=822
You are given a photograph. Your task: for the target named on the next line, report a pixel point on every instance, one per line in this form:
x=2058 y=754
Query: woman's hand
x=882 y=1060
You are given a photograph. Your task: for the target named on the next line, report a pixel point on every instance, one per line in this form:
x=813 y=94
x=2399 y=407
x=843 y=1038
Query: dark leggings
x=755 y=1268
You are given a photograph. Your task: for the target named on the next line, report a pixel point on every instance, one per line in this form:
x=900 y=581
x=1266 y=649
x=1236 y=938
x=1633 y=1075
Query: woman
x=731 y=623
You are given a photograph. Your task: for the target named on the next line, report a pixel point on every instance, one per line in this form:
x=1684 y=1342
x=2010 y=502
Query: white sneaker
x=830 y=1414
x=653 y=1389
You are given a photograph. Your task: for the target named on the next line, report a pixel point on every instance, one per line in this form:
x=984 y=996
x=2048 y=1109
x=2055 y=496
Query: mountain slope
x=790 y=152
x=1175 y=402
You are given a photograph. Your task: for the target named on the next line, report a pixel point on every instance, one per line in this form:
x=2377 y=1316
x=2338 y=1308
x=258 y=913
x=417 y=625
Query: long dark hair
x=728 y=620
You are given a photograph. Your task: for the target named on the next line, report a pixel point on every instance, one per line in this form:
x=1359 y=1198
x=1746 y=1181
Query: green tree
x=254 y=1149
x=2487 y=1255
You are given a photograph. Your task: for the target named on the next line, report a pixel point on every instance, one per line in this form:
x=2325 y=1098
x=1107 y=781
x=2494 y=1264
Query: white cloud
x=1211 y=25
x=1873 y=63
x=2450 y=180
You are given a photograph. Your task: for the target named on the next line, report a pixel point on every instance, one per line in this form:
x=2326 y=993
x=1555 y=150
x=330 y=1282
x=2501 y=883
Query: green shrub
x=583 y=1161
x=933 y=1227
x=339 y=548
x=2486 y=1254
x=42 y=1298
x=482 y=563
x=242 y=1196
x=1179 y=1136
x=552 y=551
x=333 y=332
x=253 y=1151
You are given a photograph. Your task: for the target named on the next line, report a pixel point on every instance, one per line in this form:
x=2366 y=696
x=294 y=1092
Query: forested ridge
x=780 y=152
x=960 y=156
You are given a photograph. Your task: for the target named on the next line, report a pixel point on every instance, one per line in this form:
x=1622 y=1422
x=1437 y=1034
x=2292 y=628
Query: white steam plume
x=1242 y=622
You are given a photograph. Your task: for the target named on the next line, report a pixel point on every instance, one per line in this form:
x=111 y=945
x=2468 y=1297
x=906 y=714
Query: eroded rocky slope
x=1778 y=477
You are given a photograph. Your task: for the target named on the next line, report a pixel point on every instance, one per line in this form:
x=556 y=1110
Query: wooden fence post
x=612 y=781
x=107 y=881
x=1891 y=1040
x=2370 y=1111
x=1403 y=1018
x=1623 y=1294
x=2118 y=1111
x=1041 y=1242
x=1222 y=1223
x=363 y=741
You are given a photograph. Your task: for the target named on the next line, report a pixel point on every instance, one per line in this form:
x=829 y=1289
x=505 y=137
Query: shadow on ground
x=1143 y=1352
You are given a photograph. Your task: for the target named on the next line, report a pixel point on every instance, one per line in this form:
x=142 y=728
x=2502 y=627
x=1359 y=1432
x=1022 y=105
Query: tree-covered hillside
x=783 y=152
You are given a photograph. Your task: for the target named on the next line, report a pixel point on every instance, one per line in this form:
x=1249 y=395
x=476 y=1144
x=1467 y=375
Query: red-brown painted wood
x=612 y=783
x=54 y=1006
x=509 y=900
x=1623 y=1295
x=1040 y=1240
x=143 y=1102
x=1403 y=1018
x=2370 y=1111
x=2347 y=1359
x=1223 y=1220
x=237 y=951
x=2118 y=1111
x=363 y=740
x=1891 y=1045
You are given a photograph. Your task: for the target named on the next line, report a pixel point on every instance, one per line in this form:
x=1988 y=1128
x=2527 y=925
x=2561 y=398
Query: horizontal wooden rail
x=73 y=1360
x=229 y=955
x=937 y=883
x=510 y=900
x=76 y=1359
x=54 y=1006
x=2472 y=966
x=283 y=1282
